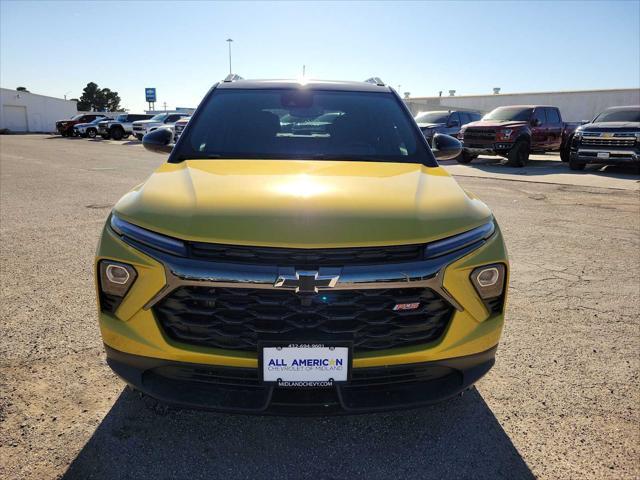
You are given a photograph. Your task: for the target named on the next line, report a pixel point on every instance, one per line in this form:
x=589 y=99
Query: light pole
x=229 y=40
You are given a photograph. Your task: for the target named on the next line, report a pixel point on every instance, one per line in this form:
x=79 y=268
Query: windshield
x=626 y=115
x=99 y=119
x=121 y=118
x=303 y=124
x=159 y=118
x=511 y=114
x=432 y=117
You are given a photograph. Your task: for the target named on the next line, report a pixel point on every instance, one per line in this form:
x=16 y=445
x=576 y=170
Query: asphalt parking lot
x=563 y=400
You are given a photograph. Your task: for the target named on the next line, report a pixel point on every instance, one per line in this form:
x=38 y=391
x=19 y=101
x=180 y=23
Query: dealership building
x=30 y=112
x=575 y=106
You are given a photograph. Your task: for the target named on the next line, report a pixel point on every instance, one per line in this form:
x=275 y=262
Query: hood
x=145 y=122
x=496 y=124
x=79 y=125
x=302 y=203
x=610 y=126
x=431 y=125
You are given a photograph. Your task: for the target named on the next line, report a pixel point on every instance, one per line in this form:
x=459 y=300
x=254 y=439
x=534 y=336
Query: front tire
x=91 y=133
x=518 y=156
x=117 y=133
x=139 y=137
x=565 y=150
x=465 y=158
x=575 y=165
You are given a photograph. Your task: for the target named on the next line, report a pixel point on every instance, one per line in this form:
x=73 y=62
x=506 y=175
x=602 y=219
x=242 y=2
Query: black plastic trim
x=233 y=389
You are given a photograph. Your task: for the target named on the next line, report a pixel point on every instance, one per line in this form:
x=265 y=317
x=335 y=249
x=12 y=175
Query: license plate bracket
x=305 y=364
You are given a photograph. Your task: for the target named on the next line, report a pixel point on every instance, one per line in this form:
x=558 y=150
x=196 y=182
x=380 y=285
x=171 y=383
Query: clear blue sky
x=55 y=48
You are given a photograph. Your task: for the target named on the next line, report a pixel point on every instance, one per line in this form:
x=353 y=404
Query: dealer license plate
x=604 y=155
x=305 y=365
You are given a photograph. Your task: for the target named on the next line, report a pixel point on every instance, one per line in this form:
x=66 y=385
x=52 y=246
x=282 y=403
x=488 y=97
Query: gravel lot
x=563 y=400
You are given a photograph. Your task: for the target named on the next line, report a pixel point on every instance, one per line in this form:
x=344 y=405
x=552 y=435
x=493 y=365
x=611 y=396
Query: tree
x=99 y=100
x=22 y=89
x=112 y=100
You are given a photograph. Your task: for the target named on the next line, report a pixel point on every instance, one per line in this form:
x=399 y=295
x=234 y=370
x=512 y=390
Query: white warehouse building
x=30 y=112
x=574 y=106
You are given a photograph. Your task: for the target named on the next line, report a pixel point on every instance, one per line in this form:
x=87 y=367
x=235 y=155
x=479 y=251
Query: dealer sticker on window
x=305 y=365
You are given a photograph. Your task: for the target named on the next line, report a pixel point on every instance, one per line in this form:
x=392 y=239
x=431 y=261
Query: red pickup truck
x=514 y=132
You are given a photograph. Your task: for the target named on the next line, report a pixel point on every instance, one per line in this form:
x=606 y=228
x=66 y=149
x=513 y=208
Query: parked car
x=142 y=127
x=613 y=137
x=179 y=127
x=514 y=132
x=270 y=272
x=444 y=121
x=65 y=127
x=87 y=129
x=121 y=127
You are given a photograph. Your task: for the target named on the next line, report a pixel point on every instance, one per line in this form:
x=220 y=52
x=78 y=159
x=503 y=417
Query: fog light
x=117 y=274
x=489 y=280
x=116 y=278
x=486 y=277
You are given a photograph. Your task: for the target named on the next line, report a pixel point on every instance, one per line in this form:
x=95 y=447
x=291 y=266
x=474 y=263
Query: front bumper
x=239 y=390
x=135 y=330
x=501 y=148
x=613 y=156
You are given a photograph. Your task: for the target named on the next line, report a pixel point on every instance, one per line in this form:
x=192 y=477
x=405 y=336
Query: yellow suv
x=301 y=252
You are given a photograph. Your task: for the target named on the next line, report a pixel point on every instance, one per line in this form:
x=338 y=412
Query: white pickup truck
x=121 y=127
x=142 y=127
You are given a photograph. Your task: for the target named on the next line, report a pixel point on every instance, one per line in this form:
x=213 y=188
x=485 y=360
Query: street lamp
x=229 y=40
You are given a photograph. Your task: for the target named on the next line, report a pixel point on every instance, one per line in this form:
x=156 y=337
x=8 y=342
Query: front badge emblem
x=306 y=281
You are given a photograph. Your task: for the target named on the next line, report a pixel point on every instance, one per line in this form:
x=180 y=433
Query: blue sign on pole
x=150 y=94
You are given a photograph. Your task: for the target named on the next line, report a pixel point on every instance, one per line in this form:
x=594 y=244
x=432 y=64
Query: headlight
x=577 y=134
x=504 y=134
x=457 y=242
x=136 y=234
x=637 y=134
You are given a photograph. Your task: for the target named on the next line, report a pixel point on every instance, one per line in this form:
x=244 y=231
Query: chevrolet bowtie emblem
x=306 y=281
x=607 y=134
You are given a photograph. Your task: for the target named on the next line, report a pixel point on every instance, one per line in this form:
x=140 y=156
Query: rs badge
x=406 y=306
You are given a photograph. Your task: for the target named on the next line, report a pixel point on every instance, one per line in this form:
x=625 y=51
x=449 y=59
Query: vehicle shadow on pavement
x=456 y=439
x=60 y=137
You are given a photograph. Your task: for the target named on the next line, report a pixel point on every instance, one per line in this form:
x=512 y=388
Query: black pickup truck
x=612 y=138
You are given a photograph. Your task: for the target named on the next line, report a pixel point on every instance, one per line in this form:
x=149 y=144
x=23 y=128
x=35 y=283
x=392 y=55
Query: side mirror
x=158 y=141
x=454 y=123
x=445 y=147
x=535 y=122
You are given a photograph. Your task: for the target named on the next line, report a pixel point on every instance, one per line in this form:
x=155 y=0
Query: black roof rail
x=375 y=80
x=232 y=77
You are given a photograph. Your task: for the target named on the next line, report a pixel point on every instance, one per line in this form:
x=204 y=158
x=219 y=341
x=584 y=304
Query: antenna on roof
x=375 y=80
x=232 y=77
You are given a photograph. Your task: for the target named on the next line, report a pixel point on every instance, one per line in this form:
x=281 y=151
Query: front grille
x=306 y=257
x=609 y=142
x=480 y=133
x=237 y=318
